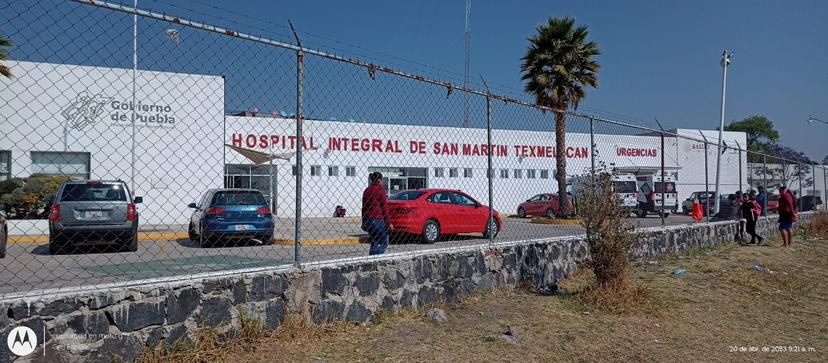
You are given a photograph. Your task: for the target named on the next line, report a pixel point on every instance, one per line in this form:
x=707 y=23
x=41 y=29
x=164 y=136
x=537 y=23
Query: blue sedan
x=231 y=214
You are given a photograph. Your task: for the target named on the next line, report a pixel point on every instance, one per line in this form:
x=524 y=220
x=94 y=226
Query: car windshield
x=623 y=186
x=238 y=198
x=93 y=192
x=409 y=195
x=773 y=198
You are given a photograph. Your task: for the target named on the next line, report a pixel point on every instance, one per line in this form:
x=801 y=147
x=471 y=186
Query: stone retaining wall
x=97 y=325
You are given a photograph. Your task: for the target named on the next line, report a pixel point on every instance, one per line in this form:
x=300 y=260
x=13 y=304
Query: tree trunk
x=560 y=163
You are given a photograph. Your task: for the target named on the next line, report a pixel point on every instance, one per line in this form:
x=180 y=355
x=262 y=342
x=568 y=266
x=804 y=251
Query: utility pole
x=725 y=62
x=467 y=42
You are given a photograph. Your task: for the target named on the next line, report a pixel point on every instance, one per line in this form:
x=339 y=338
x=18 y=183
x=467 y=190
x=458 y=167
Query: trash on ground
x=757 y=267
x=679 y=271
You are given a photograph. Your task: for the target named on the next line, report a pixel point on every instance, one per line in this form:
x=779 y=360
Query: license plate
x=94 y=214
x=243 y=227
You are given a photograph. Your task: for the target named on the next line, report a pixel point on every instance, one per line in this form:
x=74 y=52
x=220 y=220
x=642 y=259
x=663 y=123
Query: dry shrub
x=211 y=346
x=618 y=299
x=609 y=235
x=818 y=225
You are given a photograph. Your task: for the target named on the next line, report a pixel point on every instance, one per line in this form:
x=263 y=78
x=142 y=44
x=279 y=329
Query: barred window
x=333 y=171
x=439 y=172
x=504 y=173
x=453 y=173
x=350 y=171
x=74 y=164
x=467 y=173
x=316 y=170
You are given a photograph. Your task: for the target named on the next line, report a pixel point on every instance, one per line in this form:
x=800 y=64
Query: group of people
x=748 y=207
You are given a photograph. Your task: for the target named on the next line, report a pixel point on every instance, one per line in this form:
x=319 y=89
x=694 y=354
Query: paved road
x=28 y=266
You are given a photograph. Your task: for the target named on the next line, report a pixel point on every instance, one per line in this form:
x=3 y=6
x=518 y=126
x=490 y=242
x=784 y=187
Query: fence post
x=765 y=183
x=799 y=195
x=813 y=177
x=739 y=147
x=706 y=181
x=490 y=172
x=300 y=80
x=824 y=188
x=663 y=178
x=592 y=147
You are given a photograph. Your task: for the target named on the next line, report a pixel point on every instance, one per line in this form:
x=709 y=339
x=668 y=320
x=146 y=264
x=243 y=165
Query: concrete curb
x=564 y=222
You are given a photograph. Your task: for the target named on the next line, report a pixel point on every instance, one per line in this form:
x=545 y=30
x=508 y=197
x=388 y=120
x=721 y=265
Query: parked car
x=93 y=213
x=547 y=204
x=704 y=197
x=431 y=213
x=773 y=203
x=810 y=202
x=4 y=231
x=231 y=214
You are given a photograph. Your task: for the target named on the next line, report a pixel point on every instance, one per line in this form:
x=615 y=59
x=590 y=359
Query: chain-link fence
x=138 y=145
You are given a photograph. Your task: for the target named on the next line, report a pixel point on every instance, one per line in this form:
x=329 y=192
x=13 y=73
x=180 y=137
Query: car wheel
x=191 y=232
x=431 y=232
x=131 y=244
x=550 y=213
x=57 y=245
x=204 y=241
x=521 y=213
x=492 y=230
x=4 y=242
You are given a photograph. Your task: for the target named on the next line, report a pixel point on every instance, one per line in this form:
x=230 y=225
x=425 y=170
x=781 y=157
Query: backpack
x=757 y=209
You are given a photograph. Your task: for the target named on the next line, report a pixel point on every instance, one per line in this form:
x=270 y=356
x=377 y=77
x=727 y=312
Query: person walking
x=375 y=214
x=787 y=215
x=760 y=198
x=750 y=213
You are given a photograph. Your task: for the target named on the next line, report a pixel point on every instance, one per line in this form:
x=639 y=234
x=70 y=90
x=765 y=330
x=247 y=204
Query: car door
x=534 y=206
x=439 y=207
x=471 y=218
x=198 y=212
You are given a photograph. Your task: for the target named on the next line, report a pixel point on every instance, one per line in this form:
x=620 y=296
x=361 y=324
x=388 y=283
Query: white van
x=650 y=191
x=624 y=185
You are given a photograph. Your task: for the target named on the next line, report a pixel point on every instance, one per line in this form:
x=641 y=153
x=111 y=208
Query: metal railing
x=111 y=93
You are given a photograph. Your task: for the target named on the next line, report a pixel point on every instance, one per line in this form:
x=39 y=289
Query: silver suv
x=93 y=213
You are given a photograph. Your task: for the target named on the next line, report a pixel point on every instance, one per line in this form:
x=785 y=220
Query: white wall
x=174 y=161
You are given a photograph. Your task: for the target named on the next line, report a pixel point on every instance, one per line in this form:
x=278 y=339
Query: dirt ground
x=722 y=309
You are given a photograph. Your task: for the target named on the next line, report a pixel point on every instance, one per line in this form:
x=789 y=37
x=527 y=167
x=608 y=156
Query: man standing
x=760 y=198
x=787 y=215
x=375 y=214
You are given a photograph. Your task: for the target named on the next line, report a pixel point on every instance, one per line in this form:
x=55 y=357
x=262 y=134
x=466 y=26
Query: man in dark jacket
x=750 y=212
x=375 y=214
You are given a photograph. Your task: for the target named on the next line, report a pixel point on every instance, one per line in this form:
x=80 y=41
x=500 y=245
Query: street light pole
x=811 y=120
x=726 y=56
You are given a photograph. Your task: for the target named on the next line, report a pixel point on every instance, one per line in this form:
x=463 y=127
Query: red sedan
x=541 y=205
x=431 y=213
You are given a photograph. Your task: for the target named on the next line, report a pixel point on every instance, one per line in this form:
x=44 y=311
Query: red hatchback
x=541 y=205
x=431 y=213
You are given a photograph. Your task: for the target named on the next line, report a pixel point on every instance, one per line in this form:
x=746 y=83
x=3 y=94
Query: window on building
x=453 y=172
x=75 y=164
x=262 y=178
x=504 y=173
x=530 y=173
x=350 y=171
x=333 y=171
x=544 y=174
x=439 y=172
x=316 y=170
x=467 y=173
x=5 y=164
x=518 y=173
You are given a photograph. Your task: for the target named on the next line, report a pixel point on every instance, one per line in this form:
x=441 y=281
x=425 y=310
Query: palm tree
x=3 y=55
x=558 y=66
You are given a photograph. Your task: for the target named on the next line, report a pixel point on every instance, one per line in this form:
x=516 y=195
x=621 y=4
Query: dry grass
x=721 y=303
